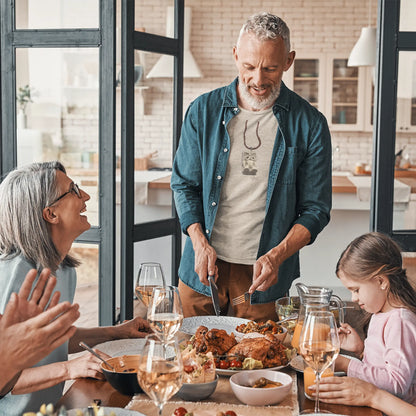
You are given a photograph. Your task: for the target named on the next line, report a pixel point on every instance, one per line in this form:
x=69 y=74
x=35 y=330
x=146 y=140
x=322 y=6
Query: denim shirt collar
x=230 y=97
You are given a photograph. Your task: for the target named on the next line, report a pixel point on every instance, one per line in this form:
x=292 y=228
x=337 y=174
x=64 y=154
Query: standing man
x=251 y=179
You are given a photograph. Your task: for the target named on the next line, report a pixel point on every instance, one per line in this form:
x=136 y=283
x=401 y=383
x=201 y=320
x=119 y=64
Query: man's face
x=260 y=67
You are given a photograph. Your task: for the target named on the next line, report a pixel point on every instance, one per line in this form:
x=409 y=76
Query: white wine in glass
x=150 y=275
x=165 y=314
x=160 y=370
x=319 y=346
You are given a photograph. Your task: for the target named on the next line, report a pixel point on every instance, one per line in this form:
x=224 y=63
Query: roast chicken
x=216 y=341
x=267 y=349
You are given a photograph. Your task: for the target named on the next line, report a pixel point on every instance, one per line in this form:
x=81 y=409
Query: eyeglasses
x=73 y=188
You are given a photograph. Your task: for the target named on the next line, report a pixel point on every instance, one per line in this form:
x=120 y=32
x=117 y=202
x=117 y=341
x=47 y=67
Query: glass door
x=393 y=205
x=57 y=102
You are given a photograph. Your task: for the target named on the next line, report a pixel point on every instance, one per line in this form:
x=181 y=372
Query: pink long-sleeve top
x=389 y=359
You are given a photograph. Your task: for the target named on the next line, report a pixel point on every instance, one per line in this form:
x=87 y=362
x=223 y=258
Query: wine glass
x=160 y=370
x=165 y=314
x=319 y=345
x=149 y=276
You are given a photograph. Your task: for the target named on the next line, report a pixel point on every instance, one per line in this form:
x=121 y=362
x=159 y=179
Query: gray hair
x=266 y=26
x=24 y=193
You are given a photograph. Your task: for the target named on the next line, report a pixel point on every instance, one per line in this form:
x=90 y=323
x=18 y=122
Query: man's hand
x=205 y=255
x=265 y=273
x=266 y=268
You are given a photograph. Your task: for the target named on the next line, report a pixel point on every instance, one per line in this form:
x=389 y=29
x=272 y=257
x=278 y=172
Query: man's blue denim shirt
x=300 y=181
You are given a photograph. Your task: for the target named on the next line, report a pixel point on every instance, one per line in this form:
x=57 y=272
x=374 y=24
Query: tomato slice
x=224 y=365
x=236 y=364
x=230 y=413
x=180 y=411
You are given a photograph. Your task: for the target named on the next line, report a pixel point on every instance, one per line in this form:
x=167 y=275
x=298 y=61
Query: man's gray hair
x=266 y=26
x=24 y=193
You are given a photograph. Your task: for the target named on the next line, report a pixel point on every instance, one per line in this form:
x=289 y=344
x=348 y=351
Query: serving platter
x=228 y=323
x=229 y=372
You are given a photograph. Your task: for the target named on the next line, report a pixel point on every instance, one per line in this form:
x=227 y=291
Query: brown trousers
x=233 y=280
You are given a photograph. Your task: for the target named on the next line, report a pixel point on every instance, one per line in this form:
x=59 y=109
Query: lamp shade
x=364 y=51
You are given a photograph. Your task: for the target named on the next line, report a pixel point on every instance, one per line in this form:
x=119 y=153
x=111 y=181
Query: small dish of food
x=261 y=387
x=124 y=379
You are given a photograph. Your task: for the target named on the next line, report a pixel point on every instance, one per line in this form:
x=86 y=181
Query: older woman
x=41 y=214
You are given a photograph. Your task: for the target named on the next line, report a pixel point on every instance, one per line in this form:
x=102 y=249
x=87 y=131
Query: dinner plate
x=228 y=323
x=118 y=411
x=122 y=346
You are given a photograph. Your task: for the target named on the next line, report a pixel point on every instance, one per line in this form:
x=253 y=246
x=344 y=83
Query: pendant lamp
x=364 y=51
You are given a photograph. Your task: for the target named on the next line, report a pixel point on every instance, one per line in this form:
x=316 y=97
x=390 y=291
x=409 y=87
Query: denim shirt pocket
x=287 y=171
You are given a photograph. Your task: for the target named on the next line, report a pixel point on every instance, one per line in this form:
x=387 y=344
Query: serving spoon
x=288 y=318
x=88 y=348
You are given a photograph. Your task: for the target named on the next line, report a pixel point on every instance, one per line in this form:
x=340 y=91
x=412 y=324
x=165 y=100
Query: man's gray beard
x=259 y=103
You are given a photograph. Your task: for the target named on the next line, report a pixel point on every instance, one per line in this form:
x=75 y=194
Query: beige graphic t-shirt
x=242 y=205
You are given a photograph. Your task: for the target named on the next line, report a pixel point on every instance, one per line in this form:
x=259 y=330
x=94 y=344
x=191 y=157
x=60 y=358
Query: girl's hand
x=345 y=390
x=350 y=340
x=87 y=365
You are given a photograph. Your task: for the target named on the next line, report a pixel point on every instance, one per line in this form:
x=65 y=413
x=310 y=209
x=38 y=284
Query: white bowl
x=260 y=396
x=197 y=391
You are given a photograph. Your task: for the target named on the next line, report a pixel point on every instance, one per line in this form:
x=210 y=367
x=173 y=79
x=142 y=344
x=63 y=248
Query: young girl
x=371 y=268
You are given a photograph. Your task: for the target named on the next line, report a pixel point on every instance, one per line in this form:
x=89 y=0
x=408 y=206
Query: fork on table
x=241 y=299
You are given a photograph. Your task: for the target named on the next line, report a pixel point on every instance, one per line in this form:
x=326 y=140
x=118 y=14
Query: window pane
x=57 y=14
x=155 y=18
x=409 y=263
x=59 y=120
x=404 y=214
x=86 y=293
x=158 y=250
x=153 y=139
x=407 y=16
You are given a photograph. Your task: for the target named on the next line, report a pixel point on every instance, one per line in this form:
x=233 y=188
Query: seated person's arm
x=27 y=333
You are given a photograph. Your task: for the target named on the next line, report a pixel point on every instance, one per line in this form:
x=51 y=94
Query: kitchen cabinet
x=343 y=94
x=307 y=78
x=406 y=115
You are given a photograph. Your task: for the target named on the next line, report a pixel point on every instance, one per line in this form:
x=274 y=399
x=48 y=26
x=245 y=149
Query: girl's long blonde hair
x=374 y=254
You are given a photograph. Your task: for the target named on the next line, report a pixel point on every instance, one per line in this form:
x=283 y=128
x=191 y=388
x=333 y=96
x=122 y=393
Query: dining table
x=83 y=392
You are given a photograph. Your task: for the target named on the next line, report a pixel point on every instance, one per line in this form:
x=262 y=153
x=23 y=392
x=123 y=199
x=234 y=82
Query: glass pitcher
x=317 y=298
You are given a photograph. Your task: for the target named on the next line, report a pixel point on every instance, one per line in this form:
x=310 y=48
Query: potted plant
x=23 y=98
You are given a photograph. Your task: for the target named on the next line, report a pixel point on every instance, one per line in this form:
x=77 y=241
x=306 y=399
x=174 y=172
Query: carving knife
x=214 y=295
